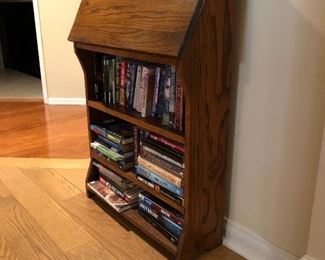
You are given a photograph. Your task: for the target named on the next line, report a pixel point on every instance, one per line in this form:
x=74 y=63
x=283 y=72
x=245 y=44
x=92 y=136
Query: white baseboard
x=66 y=101
x=252 y=246
x=307 y=257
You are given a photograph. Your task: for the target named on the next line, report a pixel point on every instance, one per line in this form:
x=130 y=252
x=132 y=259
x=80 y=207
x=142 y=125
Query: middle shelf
x=134 y=118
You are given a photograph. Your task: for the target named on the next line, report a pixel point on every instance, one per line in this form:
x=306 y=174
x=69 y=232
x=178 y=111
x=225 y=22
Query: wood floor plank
x=4 y=193
x=52 y=183
x=6 y=162
x=25 y=239
x=74 y=176
x=90 y=251
x=44 y=136
x=58 y=224
x=123 y=244
x=6 y=252
x=75 y=224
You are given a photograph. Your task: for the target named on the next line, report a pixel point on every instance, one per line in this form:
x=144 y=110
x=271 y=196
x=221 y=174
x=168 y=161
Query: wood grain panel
x=206 y=64
x=156 y=27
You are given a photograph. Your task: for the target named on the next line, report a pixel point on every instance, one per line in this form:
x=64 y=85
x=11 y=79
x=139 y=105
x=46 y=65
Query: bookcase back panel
x=157 y=27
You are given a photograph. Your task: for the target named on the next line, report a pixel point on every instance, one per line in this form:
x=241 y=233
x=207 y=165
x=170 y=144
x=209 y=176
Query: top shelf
x=135 y=118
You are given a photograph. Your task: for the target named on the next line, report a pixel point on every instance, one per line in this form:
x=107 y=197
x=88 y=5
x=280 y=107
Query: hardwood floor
x=32 y=129
x=44 y=214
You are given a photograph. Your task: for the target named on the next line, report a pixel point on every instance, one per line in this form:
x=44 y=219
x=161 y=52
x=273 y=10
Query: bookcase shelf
x=196 y=37
x=131 y=176
x=133 y=117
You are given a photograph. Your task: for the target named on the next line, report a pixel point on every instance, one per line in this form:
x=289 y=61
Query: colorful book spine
x=111 y=186
x=157 y=225
x=111 y=77
x=128 y=83
x=159 y=171
x=117 y=79
x=161 y=93
x=136 y=143
x=162 y=156
x=123 y=82
x=157 y=179
x=163 y=220
x=105 y=80
x=179 y=107
x=177 y=156
x=98 y=130
x=172 y=96
x=161 y=190
x=118 y=147
x=148 y=93
x=107 y=152
x=134 y=69
x=124 y=165
x=136 y=104
x=143 y=84
x=155 y=93
x=156 y=207
x=178 y=171
x=123 y=183
x=166 y=142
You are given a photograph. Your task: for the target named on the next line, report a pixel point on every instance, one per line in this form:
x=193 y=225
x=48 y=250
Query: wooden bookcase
x=196 y=37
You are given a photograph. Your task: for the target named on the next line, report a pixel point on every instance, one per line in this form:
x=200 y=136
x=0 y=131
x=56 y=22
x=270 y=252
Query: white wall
x=64 y=76
x=279 y=117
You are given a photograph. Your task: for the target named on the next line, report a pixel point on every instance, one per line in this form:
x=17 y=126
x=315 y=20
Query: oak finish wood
x=203 y=56
x=207 y=63
x=107 y=239
x=155 y=27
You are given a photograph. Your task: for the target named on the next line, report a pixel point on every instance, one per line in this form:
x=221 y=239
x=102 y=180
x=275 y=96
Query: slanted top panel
x=151 y=26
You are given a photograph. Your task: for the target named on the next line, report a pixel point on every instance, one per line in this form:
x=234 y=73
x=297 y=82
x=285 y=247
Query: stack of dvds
x=114 y=141
x=166 y=219
x=151 y=89
x=118 y=192
x=160 y=164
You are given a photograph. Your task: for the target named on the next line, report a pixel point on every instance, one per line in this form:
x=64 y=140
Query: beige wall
x=279 y=119
x=316 y=244
x=63 y=73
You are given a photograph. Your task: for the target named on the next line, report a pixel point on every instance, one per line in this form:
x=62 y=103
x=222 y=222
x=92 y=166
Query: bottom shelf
x=133 y=217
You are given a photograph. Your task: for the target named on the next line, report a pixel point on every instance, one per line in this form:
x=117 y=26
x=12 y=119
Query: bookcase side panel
x=86 y=61
x=206 y=76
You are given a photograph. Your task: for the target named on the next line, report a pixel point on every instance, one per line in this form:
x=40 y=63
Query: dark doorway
x=18 y=38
